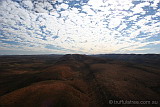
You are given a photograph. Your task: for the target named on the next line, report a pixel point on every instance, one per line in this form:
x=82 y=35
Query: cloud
x=139 y=8
x=28 y=4
x=92 y=27
x=114 y=22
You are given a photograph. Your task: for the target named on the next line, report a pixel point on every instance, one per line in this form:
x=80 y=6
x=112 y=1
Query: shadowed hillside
x=75 y=80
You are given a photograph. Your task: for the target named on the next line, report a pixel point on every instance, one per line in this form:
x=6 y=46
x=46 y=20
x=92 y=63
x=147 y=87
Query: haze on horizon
x=79 y=26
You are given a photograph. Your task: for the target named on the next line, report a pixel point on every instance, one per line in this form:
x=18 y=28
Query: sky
x=79 y=26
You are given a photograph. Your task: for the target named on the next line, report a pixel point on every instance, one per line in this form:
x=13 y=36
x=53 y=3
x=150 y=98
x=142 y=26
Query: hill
x=75 y=80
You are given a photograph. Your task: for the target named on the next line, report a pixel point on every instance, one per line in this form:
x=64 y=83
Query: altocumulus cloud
x=79 y=26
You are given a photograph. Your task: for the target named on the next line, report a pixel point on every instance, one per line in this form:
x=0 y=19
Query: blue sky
x=79 y=26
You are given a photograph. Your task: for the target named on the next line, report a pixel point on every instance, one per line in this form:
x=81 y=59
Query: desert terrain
x=75 y=80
